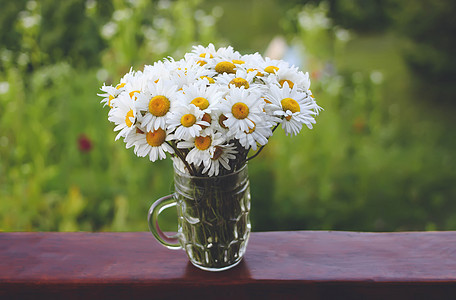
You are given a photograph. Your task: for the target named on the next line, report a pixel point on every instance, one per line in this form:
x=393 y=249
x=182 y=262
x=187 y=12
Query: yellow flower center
x=271 y=69
x=133 y=94
x=225 y=67
x=203 y=142
x=291 y=105
x=238 y=61
x=240 y=110
x=211 y=80
x=206 y=118
x=221 y=119
x=238 y=82
x=217 y=153
x=290 y=83
x=156 y=138
x=159 y=106
x=188 y=120
x=127 y=118
x=258 y=73
x=111 y=97
x=200 y=102
x=120 y=85
x=201 y=62
x=205 y=55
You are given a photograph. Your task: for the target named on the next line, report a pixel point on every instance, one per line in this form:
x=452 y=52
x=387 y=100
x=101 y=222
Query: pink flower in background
x=84 y=143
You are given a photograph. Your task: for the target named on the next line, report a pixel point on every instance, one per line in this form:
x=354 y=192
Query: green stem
x=259 y=150
x=191 y=170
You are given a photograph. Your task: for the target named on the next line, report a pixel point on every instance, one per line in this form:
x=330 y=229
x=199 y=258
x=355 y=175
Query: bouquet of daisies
x=209 y=109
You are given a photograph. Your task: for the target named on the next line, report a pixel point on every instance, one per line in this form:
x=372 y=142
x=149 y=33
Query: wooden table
x=277 y=265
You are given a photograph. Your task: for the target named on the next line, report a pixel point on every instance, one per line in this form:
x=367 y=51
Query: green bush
x=68 y=33
x=361 y=15
x=430 y=27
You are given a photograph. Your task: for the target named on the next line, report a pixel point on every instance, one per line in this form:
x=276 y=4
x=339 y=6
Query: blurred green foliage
x=381 y=156
x=430 y=27
x=362 y=15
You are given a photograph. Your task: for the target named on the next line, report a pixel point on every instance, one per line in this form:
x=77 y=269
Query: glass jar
x=213 y=218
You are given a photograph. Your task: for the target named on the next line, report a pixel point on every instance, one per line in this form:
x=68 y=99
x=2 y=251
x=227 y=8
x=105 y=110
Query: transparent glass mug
x=213 y=218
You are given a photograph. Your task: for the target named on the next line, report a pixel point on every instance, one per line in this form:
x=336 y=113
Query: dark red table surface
x=277 y=265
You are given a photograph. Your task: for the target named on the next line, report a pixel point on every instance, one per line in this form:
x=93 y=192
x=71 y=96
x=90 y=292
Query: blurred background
x=380 y=158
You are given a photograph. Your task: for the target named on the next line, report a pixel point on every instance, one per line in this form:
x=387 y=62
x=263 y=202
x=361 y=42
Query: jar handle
x=171 y=242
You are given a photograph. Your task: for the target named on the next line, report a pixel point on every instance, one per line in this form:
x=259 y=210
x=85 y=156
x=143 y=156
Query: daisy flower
x=222 y=65
x=256 y=135
x=254 y=63
x=160 y=70
x=150 y=143
x=208 y=80
x=202 y=52
x=292 y=77
x=157 y=102
x=123 y=81
x=271 y=66
x=239 y=79
x=206 y=98
x=242 y=109
x=187 y=72
x=226 y=60
x=229 y=54
x=202 y=147
x=123 y=115
x=132 y=138
x=187 y=121
x=110 y=93
x=220 y=157
x=295 y=107
x=135 y=85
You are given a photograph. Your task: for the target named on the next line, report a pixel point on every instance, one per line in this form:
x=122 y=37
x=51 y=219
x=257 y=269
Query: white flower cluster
x=210 y=108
